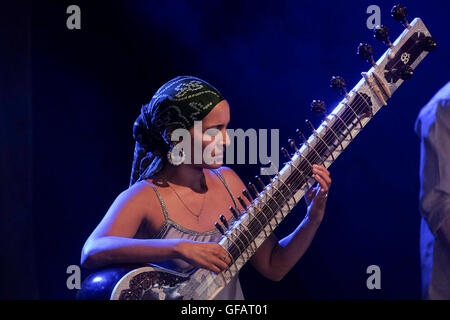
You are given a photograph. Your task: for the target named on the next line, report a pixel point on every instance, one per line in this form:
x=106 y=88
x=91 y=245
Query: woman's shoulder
x=142 y=197
x=226 y=172
x=232 y=178
x=140 y=192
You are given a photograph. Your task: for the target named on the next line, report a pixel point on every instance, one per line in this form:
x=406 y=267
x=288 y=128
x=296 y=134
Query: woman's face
x=212 y=138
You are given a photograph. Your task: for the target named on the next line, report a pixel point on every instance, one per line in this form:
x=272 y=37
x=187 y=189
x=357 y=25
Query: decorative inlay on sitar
x=270 y=205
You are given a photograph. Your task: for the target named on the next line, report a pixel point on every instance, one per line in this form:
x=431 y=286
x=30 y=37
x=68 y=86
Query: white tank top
x=172 y=230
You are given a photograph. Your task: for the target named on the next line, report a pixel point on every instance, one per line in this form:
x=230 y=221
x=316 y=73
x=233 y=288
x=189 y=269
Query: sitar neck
x=338 y=129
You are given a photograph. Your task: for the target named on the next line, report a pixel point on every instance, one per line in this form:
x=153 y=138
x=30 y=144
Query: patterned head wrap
x=177 y=104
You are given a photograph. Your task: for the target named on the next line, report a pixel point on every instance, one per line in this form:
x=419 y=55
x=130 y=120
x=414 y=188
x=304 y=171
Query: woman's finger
x=322 y=182
x=222 y=260
x=322 y=173
x=220 y=264
x=226 y=259
x=212 y=267
x=223 y=256
x=322 y=169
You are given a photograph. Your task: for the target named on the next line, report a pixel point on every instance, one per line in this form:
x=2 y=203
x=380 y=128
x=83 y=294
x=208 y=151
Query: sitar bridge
x=378 y=86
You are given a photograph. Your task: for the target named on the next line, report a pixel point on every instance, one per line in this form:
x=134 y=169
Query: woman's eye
x=212 y=131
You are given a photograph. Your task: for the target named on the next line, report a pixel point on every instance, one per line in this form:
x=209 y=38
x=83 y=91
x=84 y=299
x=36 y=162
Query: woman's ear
x=167 y=136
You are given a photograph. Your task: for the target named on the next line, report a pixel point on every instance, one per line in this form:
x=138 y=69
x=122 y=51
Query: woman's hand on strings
x=207 y=255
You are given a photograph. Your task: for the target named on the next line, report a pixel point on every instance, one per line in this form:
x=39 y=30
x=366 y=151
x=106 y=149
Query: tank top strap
x=161 y=201
x=217 y=172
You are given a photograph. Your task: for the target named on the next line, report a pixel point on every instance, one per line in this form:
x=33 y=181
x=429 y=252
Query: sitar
x=270 y=205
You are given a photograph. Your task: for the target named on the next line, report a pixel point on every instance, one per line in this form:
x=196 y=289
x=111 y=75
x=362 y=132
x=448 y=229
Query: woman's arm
x=106 y=250
x=274 y=259
x=112 y=241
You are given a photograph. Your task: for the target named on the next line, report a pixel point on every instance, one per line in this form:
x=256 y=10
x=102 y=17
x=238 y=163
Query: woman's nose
x=227 y=141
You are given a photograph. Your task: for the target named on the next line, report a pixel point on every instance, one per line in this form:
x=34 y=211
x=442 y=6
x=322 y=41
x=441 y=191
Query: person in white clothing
x=433 y=128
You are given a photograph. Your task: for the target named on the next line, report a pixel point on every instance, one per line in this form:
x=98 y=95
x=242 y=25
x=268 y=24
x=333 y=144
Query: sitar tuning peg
x=247 y=195
x=381 y=33
x=219 y=227
x=300 y=134
x=224 y=221
x=399 y=13
x=406 y=72
x=292 y=144
x=234 y=212
x=242 y=202
x=428 y=43
x=365 y=52
x=253 y=189
x=338 y=83
x=318 y=107
x=260 y=182
x=286 y=154
x=310 y=125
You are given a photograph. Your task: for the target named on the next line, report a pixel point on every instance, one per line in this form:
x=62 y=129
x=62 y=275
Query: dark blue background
x=269 y=59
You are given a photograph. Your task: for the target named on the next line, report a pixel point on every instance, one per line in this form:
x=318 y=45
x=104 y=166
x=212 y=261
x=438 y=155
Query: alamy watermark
x=74 y=279
x=74 y=20
x=235 y=144
x=374 y=280
x=375 y=16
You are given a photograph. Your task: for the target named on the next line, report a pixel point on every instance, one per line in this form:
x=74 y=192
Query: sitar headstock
x=385 y=76
x=348 y=118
